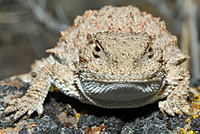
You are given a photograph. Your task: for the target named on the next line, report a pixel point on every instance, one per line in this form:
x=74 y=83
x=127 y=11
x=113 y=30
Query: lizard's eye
x=96 y=51
x=97 y=48
x=150 y=52
x=150 y=49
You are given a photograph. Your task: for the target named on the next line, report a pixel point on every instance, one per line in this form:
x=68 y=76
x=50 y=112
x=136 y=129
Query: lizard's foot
x=23 y=105
x=34 y=97
x=174 y=105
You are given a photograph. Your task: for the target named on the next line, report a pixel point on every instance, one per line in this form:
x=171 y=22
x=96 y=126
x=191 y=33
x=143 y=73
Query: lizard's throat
x=120 y=95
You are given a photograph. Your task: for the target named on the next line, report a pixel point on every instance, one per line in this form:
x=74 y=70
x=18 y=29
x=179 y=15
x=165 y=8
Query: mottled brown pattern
x=117 y=47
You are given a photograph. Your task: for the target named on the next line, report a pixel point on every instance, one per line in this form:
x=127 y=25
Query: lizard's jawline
x=120 y=95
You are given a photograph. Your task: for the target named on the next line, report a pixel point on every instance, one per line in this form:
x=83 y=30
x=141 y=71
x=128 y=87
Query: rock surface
x=67 y=115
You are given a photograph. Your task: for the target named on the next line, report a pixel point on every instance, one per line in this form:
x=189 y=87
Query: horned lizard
x=115 y=57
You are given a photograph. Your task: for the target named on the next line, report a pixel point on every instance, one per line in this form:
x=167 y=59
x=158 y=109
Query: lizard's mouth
x=120 y=94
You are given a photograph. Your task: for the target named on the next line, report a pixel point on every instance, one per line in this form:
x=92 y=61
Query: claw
x=2 y=115
x=39 y=115
x=170 y=112
x=13 y=120
x=168 y=108
x=27 y=117
x=163 y=111
x=161 y=107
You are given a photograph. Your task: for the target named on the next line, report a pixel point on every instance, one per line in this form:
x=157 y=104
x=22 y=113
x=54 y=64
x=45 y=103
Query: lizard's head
x=120 y=69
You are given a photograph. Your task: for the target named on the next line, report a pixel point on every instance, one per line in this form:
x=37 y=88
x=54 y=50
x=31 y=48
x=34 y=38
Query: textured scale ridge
x=115 y=57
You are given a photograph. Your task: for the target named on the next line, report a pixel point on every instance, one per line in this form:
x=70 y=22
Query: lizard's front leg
x=176 y=91
x=34 y=98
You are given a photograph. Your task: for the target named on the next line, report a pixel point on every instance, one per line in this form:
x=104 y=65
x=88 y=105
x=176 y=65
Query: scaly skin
x=117 y=57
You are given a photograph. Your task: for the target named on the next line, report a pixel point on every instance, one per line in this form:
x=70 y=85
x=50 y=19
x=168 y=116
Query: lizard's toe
x=174 y=105
x=21 y=106
x=165 y=108
x=13 y=105
x=183 y=105
x=18 y=114
x=39 y=110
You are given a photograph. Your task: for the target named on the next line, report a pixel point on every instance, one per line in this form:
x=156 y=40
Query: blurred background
x=29 y=27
